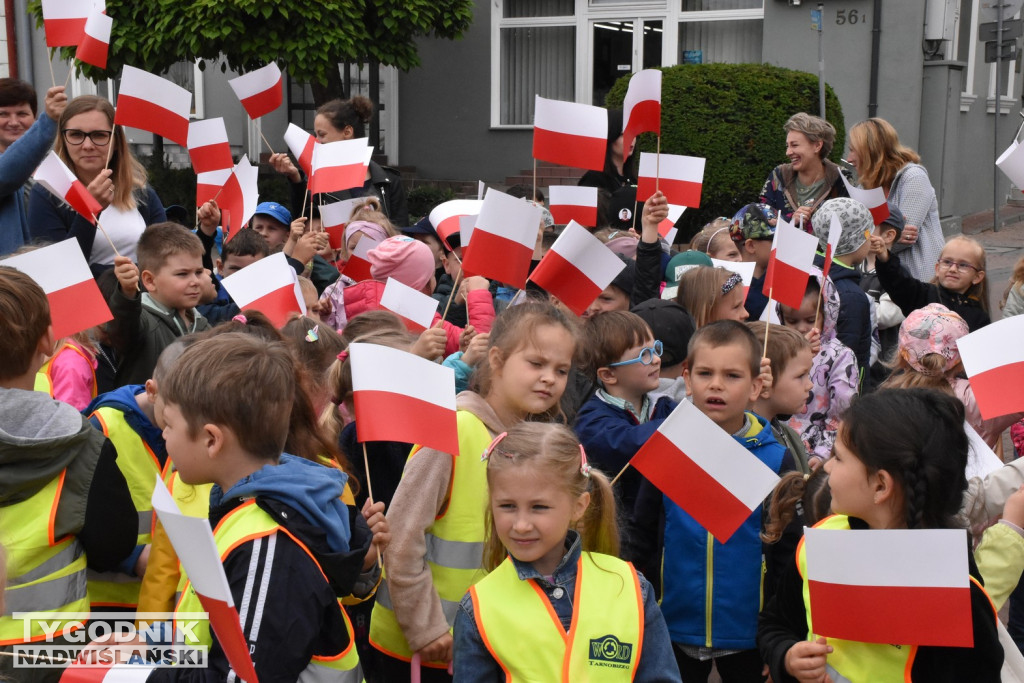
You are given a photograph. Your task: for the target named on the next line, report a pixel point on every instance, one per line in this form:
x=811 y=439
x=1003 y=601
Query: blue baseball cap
x=275 y=211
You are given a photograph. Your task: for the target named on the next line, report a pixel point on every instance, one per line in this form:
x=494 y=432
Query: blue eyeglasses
x=646 y=357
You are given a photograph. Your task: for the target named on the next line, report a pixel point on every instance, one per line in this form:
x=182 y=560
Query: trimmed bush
x=422 y=198
x=732 y=115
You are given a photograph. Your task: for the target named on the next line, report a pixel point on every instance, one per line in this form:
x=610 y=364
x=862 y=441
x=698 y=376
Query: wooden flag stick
x=534 y=198
x=71 y=70
x=369 y=494
x=305 y=194
x=266 y=142
x=103 y=230
x=621 y=472
x=657 y=167
x=52 y=77
x=110 y=147
x=451 y=297
x=769 y=324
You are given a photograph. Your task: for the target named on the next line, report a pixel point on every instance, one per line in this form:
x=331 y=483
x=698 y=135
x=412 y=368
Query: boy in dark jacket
x=145 y=323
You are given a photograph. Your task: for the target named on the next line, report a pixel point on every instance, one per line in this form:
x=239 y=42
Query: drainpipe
x=23 y=38
x=876 y=41
x=12 y=39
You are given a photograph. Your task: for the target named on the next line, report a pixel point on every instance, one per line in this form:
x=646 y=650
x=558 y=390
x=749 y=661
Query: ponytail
x=598 y=529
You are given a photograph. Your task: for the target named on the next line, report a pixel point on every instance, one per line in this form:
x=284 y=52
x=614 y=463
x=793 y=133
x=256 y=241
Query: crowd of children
x=534 y=552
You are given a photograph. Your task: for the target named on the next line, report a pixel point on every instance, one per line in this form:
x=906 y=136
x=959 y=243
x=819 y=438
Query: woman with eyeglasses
x=86 y=139
x=881 y=161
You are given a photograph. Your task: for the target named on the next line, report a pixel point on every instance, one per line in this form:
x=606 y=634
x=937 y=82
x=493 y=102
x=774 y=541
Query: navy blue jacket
x=854 y=325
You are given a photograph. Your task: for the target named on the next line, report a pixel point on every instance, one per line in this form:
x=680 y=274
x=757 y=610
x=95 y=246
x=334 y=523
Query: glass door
x=619 y=47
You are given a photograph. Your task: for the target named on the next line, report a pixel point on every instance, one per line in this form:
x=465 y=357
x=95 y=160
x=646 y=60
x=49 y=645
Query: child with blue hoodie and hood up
x=290 y=547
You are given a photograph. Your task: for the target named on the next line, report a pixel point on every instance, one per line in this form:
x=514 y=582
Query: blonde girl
x=715 y=240
x=711 y=294
x=555 y=584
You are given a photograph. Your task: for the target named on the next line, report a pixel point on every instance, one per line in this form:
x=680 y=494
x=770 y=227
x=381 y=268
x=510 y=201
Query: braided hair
x=917 y=436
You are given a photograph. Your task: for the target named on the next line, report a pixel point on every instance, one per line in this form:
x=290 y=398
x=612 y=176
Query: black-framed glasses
x=73 y=136
x=646 y=357
x=960 y=265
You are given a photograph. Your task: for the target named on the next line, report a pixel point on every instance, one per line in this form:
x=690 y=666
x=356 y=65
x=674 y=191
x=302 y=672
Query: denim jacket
x=474 y=663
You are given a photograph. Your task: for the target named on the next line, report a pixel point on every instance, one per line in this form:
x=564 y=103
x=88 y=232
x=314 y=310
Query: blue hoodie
x=123 y=399
x=313 y=490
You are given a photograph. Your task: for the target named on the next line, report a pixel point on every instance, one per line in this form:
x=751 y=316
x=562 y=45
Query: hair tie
x=584 y=465
x=731 y=283
x=343 y=356
x=313 y=334
x=491 y=446
x=240 y=318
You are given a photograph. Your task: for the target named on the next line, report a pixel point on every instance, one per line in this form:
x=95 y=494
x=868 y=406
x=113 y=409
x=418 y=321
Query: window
x=703 y=42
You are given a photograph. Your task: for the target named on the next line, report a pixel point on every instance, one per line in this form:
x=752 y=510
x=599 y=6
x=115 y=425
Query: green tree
x=732 y=115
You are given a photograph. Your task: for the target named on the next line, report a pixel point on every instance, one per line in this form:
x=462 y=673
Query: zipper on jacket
x=764 y=570
x=708 y=591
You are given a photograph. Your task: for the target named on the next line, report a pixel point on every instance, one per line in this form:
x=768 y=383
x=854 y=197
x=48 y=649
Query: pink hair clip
x=343 y=356
x=494 y=444
x=584 y=465
x=240 y=318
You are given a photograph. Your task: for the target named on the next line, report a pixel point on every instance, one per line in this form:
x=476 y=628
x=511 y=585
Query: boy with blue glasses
x=626 y=361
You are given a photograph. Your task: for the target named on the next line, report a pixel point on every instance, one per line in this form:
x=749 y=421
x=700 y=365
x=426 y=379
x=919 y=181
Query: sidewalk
x=1002 y=249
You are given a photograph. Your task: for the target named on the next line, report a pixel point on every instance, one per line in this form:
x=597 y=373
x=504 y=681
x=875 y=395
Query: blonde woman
x=86 y=132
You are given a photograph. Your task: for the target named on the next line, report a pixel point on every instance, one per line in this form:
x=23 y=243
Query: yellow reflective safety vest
x=524 y=635
x=852 y=661
x=44 y=573
x=44 y=378
x=43 y=383
x=140 y=467
x=244 y=524
x=455 y=541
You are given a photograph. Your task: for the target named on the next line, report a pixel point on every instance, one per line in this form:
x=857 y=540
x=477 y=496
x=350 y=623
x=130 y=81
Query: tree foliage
x=732 y=115
x=308 y=38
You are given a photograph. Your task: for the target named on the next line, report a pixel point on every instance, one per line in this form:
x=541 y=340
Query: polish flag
x=339 y=165
x=873 y=199
x=445 y=216
x=994 y=360
x=58 y=179
x=835 y=231
x=789 y=265
x=577 y=268
x=705 y=471
x=260 y=91
x=270 y=286
x=745 y=269
x=239 y=197
x=151 y=103
x=416 y=309
x=193 y=541
x=570 y=134
x=107 y=673
x=61 y=270
x=358 y=265
x=641 y=109
x=667 y=228
x=208 y=145
x=905 y=586
x=209 y=184
x=64 y=20
x=335 y=216
x=503 y=239
x=681 y=178
x=301 y=145
x=388 y=382
x=570 y=203
x=95 y=39
x=466 y=226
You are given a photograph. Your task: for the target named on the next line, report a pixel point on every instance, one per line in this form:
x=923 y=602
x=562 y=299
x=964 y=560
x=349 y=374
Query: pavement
x=1002 y=249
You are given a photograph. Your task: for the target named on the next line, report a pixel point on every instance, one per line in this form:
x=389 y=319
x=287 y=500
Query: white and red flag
x=260 y=91
x=95 y=44
x=667 y=228
x=388 y=382
x=994 y=360
x=193 y=541
x=874 y=199
x=269 y=286
x=61 y=270
x=905 y=586
x=789 y=265
x=503 y=239
x=58 y=179
x=570 y=134
x=358 y=265
x=151 y=103
x=573 y=203
x=239 y=197
x=335 y=216
x=208 y=145
x=577 y=268
x=209 y=184
x=301 y=145
x=835 y=232
x=339 y=165
x=682 y=178
x=416 y=309
x=445 y=216
x=641 y=108
x=64 y=20
x=78 y=672
x=705 y=471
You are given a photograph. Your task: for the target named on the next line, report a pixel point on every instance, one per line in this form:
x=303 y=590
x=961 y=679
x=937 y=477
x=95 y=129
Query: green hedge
x=732 y=115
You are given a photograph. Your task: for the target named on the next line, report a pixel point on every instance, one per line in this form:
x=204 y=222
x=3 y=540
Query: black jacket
x=385 y=184
x=911 y=294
